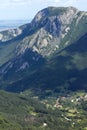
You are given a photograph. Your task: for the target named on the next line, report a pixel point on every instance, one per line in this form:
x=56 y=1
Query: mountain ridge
x=51 y=31
x=67 y=68
x=47 y=36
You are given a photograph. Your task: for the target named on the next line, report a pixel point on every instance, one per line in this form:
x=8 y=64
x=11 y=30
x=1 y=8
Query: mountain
x=64 y=71
x=11 y=24
x=43 y=72
x=52 y=29
x=46 y=46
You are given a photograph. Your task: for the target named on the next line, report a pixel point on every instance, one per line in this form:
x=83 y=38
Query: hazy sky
x=26 y=9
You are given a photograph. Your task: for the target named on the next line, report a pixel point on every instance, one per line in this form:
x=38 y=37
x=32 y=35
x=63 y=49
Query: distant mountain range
x=10 y=24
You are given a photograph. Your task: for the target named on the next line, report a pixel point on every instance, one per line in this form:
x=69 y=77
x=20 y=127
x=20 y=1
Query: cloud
x=28 y=8
x=57 y=2
x=53 y=1
x=13 y=3
x=16 y=3
x=19 y=1
x=70 y=2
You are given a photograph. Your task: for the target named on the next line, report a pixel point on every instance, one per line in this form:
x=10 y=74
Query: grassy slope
x=17 y=111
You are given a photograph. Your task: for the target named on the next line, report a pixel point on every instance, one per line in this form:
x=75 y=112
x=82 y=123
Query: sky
x=26 y=9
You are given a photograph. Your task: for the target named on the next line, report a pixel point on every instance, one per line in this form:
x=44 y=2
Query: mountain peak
x=52 y=29
x=52 y=8
x=53 y=11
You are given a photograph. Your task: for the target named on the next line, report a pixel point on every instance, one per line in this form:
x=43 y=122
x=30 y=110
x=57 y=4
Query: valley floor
x=22 y=112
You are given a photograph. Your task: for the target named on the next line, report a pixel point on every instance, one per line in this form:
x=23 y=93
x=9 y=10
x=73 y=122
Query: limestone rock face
x=51 y=30
x=9 y=34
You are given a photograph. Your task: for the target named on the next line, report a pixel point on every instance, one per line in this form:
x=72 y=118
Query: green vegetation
x=77 y=30
x=52 y=11
x=25 y=112
x=7 y=52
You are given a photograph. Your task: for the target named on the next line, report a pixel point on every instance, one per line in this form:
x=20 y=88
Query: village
x=63 y=100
